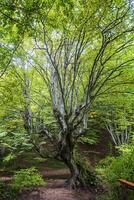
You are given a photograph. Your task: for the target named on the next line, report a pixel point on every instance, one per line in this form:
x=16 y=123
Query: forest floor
x=56 y=173
x=55 y=189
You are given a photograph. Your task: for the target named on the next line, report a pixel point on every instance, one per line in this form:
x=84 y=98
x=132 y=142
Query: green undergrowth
x=114 y=168
x=26 y=178
x=22 y=179
x=27 y=161
x=7 y=192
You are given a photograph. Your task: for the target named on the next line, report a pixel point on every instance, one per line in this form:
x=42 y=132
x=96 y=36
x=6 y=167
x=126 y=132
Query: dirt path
x=55 y=173
x=55 y=190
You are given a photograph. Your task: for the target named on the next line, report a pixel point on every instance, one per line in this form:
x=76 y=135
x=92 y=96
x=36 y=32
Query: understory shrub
x=25 y=178
x=7 y=192
x=121 y=167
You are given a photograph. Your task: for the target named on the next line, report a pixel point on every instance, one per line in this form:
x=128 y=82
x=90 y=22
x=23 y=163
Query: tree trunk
x=77 y=179
x=81 y=172
x=2 y=151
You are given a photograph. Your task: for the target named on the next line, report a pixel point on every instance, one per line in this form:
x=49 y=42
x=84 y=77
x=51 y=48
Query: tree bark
x=77 y=179
x=81 y=173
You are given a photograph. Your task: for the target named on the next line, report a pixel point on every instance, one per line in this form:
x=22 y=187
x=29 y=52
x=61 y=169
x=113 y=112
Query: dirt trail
x=55 y=173
x=55 y=190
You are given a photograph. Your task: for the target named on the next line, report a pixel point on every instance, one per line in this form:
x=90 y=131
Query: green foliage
x=86 y=170
x=55 y=164
x=10 y=157
x=90 y=138
x=116 y=115
x=107 y=197
x=115 y=196
x=7 y=192
x=14 y=145
x=27 y=178
x=93 y=129
x=87 y=46
x=121 y=167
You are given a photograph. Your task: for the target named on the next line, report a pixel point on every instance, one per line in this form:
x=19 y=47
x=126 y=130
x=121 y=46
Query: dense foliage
x=121 y=167
x=66 y=74
x=26 y=178
x=7 y=192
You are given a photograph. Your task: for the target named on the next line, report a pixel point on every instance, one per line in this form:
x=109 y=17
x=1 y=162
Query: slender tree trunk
x=27 y=116
x=2 y=151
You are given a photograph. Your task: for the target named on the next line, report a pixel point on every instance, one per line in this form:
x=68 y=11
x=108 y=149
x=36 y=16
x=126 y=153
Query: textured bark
x=27 y=108
x=77 y=179
x=81 y=176
x=119 y=138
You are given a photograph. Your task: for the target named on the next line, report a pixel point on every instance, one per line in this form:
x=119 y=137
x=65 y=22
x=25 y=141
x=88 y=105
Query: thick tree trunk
x=81 y=174
x=80 y=170
x=77 y=179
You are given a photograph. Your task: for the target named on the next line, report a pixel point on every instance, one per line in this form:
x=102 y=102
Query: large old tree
x=78 y=48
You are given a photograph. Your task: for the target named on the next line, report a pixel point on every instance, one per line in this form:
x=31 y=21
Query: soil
x=55 y=190
x=55 y=173
x=99 y=151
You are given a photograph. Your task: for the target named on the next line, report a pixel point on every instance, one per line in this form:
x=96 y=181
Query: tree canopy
x=60 y=60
